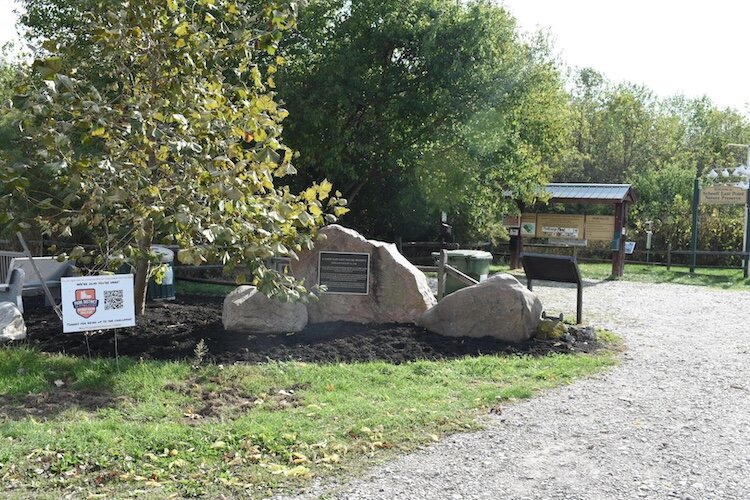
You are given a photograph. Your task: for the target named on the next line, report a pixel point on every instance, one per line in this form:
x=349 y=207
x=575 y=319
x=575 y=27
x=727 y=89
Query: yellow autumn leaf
x=331 y=459
x=180 y=43
x=181 y=30
x=315 y=210
x=309 y=194
x=299 y=471
x=99 y=132
x=172 y=5
x=324 y=189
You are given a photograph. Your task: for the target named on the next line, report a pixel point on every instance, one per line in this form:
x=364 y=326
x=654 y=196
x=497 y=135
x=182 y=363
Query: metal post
x=694 y=229
x=746 y=243
x=441 y=274
x=579 y=304
x=669 y=256
x=50 y=298
x=618 y=255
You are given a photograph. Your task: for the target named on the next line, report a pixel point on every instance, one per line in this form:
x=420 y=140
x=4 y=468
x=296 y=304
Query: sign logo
x=86 y=302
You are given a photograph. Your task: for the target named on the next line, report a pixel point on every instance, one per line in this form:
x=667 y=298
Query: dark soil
x=171 y=330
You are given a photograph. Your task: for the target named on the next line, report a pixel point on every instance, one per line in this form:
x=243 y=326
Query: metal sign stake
x=39 y=275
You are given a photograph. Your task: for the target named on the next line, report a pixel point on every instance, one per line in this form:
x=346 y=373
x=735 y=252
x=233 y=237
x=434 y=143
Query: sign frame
x=83 y=309
x=367 y=275
x=722 y=194
x=599 y=227
x=560 y=226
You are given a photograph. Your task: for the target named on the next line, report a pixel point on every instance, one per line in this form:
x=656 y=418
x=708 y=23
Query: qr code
x=113 y=299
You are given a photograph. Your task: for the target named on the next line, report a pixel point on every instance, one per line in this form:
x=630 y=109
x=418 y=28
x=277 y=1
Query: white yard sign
x=97 y=302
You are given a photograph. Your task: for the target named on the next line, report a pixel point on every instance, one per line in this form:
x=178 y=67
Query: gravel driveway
x=672 y=421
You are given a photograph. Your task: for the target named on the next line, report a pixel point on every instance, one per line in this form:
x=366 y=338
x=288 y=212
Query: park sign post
x=720 y=194
x=97 y=302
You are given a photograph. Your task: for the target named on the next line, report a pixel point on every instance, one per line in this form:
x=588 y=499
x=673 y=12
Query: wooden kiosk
x=617 y=195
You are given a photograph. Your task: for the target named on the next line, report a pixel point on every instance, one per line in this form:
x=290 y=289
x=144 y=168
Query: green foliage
x=429 y=104
x=167 y=129
x=623 y=133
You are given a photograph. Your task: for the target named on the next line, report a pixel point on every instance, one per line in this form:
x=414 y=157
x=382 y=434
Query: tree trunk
x=142 y=267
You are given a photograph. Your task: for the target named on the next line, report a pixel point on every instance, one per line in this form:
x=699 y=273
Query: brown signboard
x=723 y=195
x=600 y=227
x=569 y=227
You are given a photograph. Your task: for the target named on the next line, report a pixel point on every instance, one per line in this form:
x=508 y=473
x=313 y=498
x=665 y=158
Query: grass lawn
x=719 y=278
x=70 y=426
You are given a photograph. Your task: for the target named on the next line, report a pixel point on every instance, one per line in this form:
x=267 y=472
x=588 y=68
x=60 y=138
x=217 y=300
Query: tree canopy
x=417 y=106
x=169 y=131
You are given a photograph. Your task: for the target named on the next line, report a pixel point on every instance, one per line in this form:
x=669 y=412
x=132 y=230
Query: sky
x=7 y=21
x=689 y=47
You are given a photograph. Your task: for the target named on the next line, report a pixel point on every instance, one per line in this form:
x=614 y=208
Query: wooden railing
x=443 y=270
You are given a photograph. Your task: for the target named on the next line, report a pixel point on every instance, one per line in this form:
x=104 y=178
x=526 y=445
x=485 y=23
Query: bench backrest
x=561 y=268
x=50 y=269
x=5 y=260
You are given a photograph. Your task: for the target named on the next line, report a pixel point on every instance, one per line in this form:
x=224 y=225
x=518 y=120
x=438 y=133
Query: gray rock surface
x=670 y=422
x=12 y=326
x=398 y=291
x=499 y=307
x=248 y=310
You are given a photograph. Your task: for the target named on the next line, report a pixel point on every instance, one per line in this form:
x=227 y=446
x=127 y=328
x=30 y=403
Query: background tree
x=417 y=106
x=166 y=131
x=623 y=133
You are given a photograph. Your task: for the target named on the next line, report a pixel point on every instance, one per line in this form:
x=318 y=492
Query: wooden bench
x=50 y=269
x=560 y=268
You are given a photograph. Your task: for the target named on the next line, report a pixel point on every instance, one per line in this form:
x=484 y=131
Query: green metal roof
x=583 y=193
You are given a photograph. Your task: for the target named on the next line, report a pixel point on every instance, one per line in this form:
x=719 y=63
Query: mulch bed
x=171 y=331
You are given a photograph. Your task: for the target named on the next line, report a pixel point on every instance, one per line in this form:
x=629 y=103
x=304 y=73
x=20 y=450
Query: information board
x=723 y=195
x=344 y=273
x=97 y=302
x=528 y=225
x=569 y=227
x=600 y=227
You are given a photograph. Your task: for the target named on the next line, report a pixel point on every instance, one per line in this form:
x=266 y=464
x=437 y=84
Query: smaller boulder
x=499 y=307
x=583 y=333
x=248 y=310
x=551 y=329
x=12 y=326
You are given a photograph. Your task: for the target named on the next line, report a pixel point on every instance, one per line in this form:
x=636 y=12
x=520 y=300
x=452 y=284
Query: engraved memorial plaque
x=344 y=272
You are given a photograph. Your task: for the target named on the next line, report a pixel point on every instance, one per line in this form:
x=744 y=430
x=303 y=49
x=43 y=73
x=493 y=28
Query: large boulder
x=498 y=307
x=398 y=292
x=248 y=310
x=12 y=326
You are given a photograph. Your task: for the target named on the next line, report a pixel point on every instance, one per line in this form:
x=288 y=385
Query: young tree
x=166 y=131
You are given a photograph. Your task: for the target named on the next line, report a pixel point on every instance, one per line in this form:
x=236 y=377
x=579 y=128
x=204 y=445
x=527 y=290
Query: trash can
x=475 y=263
x=166 y=290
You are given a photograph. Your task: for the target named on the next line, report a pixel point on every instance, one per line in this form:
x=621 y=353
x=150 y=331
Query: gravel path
x=672 y=421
